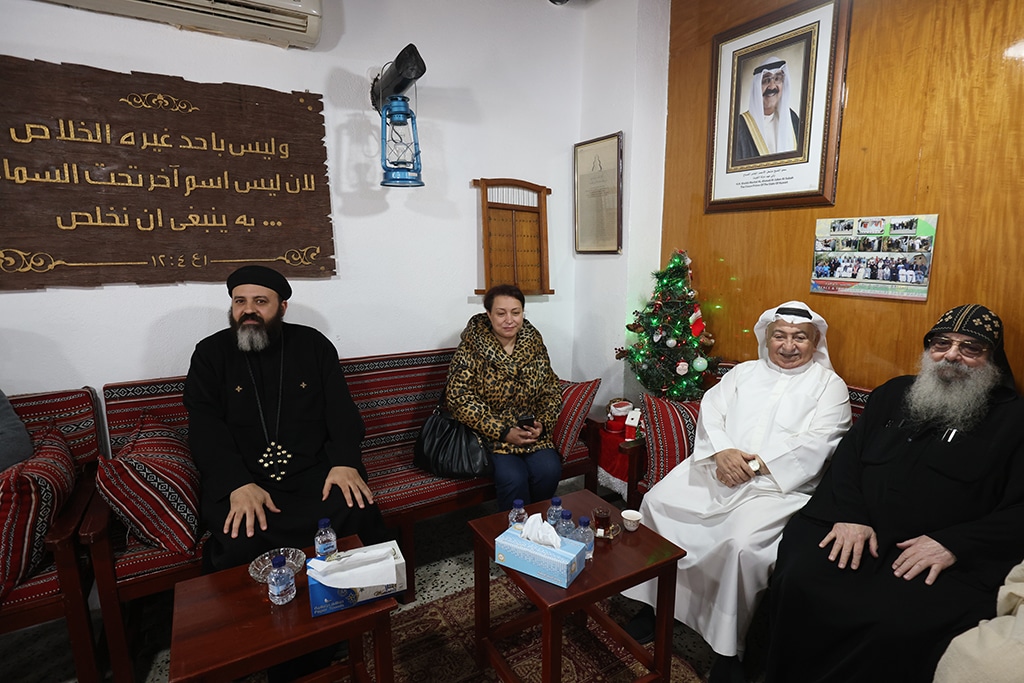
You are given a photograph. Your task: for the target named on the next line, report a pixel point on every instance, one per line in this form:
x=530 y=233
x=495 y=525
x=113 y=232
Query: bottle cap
x=566 y=514
x=517 y=503
x=584 y=521
x=278 y=561
x=556 y=501
x=325 y=522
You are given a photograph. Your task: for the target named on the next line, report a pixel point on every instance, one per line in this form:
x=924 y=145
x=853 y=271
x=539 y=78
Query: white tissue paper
x=357 y=568
x=352 y=577
x=539 y=531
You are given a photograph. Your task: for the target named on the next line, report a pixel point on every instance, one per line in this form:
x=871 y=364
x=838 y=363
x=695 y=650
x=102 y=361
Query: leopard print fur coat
x=488 y=388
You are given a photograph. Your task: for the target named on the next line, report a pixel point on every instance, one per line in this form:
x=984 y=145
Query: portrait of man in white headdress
x=769 y=125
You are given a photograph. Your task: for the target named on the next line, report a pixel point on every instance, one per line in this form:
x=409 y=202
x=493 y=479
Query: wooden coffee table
x=627 y=560
x=225 y=627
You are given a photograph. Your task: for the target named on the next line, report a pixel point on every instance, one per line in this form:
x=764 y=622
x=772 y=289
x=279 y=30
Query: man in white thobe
x=764 y=435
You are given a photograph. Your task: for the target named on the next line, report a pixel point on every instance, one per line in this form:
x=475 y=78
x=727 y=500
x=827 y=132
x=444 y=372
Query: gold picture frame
x=777 y=95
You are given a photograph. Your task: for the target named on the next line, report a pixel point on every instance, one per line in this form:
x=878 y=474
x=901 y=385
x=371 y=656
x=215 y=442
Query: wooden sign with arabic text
x=109 y=177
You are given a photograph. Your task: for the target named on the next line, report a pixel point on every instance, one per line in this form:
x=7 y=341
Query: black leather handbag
x=448 y=448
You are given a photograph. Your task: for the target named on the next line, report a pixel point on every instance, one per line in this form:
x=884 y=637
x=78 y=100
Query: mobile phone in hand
x=525 y=421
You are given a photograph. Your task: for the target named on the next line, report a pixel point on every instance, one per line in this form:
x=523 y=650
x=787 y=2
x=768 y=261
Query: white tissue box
x=554 y=565
x=326 y=599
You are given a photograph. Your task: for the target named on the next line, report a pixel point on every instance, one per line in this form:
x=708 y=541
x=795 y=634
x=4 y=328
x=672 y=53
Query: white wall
x=510 y=86
x=624 y=88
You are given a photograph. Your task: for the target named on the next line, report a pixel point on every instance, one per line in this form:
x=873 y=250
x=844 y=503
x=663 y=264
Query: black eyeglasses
x=968 y=349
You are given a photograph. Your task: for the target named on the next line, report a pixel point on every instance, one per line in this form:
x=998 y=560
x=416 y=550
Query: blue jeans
x=532 y=477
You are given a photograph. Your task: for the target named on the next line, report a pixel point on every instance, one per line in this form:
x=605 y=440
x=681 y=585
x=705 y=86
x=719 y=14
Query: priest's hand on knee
x=848 y=541
x=921 y=553
x=247 y=503
x=355 y=490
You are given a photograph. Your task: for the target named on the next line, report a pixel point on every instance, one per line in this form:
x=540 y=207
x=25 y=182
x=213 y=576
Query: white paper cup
x=631 y=519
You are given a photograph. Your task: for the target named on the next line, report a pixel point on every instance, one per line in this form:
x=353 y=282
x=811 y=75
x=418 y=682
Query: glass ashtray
x=260 y=567
x=608 y=534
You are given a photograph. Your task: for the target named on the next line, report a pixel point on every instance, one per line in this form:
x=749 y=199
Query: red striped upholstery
x=395 y=394
x=577 y=398
x=670 y=430
x=152 y=485
x=58 y=587
x=127 y=402
x=44 y=583
x=858 y=399
x=72 y=412
x=32 y=494
x=125 y=567
x=136 y=560
x=126 y=406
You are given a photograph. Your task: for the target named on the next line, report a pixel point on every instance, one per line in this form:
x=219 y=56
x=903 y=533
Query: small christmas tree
x=670 y=355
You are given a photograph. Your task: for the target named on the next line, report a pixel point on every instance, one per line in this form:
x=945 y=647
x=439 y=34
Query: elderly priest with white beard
x=916 y=522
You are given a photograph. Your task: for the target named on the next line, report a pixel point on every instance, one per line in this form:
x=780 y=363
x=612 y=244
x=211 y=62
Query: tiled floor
x=444 y=553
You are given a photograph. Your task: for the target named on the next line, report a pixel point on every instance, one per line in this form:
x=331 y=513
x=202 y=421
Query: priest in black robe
x=916 y=523
x=273 y=430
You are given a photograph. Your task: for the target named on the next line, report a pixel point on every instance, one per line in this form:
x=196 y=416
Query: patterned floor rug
x=434 y=642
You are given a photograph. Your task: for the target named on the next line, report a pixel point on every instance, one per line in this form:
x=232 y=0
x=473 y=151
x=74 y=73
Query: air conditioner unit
x=287 y=23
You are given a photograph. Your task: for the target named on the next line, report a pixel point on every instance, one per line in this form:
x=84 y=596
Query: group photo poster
x=888 y=257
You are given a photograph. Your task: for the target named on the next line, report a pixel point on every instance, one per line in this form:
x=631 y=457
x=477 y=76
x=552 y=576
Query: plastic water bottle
x=280 y=581
x=585 y=535
x=565 y=527
x=517 y=515
x=554 y=511
x=325 y=541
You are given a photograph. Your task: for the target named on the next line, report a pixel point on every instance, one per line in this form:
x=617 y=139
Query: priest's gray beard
x=256 y=337
x=951 y=395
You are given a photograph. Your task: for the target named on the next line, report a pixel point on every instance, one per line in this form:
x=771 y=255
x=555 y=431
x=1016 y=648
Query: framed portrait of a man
x=776 y=108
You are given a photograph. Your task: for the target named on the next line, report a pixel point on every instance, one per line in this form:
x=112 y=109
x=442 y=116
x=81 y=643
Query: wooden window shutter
x=515 y=234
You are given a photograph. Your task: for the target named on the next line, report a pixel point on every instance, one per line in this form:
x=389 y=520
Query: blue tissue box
x=554 y=565
x=326 y=599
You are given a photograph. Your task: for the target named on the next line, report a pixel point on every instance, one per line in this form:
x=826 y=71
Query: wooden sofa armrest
x=636 y=467
x=95 y=526
x=592 y=437
x=61 y=536
x=75 y=575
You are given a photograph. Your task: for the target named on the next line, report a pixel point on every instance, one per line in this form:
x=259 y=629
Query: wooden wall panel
x=934 y=123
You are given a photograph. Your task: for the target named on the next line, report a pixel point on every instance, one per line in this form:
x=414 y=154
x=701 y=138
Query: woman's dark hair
x=503 y=290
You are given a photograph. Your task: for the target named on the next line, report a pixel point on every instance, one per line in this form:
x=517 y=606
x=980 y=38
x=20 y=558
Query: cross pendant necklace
x=275 y=457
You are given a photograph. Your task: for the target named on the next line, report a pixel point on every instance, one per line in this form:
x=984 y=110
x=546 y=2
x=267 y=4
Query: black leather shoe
x=641 y=627
x=727 y=670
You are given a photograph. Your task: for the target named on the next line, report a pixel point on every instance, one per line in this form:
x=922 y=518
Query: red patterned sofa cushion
x=135 y=559
x=42 y=583
x=72 y=412
x=152 y=486
x=858 y=399
x=577 y=398
x=670 y=429
x=32 y=493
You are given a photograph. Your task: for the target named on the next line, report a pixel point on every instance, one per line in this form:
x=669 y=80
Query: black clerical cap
x=974 y=320
x=979 y=322
x=262 y=276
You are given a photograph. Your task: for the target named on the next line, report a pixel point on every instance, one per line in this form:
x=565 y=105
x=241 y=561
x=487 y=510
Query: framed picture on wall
x=776 y=108
x=597 y=185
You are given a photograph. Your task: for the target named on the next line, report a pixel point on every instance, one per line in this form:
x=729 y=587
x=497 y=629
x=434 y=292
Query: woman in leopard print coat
x=500 y=372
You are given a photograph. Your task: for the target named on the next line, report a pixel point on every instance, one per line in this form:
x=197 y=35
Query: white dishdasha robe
x=793 y=419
